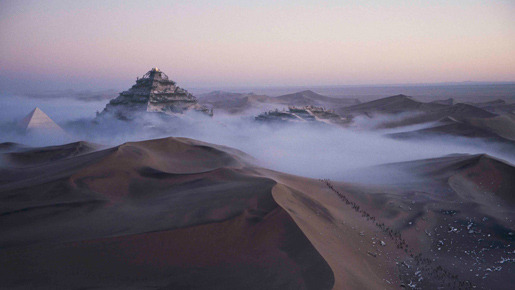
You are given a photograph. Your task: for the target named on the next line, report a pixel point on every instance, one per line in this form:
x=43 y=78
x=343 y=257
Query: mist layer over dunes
x=317 y=149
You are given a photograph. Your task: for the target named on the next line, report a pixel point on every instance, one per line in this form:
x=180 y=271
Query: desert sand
x=178 y=213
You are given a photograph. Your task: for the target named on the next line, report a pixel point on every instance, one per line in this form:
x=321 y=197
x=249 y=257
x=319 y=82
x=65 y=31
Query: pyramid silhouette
x=37 y=119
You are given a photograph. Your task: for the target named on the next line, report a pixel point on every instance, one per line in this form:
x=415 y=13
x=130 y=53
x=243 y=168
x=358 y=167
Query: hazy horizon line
x=313 y=86
x=451 y=83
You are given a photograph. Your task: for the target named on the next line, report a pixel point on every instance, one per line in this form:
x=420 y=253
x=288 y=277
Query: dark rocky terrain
x=303 y=114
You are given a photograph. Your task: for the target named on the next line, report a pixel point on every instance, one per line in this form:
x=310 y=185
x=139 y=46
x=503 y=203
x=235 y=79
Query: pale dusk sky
x=106 y=44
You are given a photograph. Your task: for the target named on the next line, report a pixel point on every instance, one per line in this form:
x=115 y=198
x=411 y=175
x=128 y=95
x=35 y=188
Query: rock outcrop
x=154 y=92
x=304 y=114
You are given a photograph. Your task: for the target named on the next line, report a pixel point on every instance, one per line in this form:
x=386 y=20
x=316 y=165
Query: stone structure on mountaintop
x=154 y=92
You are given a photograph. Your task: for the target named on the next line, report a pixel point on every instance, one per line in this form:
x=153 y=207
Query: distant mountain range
x=494 y=120
x=239 y=102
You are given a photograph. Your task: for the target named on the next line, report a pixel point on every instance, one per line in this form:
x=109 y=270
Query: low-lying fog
x=313 y=150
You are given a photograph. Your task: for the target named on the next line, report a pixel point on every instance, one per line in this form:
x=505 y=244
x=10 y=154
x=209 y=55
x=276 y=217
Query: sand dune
x=388 y=105
x=178 y=213
x=47 y=154
x=11 y=147
x=486 y=173
x=454 y=128
x=412 y=233
x=498 y=106
x=503 y=126
x=464 y=120
x=418 y=112
x=163 y=213
x=310 y=98
x=452 y=208
x=492 y=131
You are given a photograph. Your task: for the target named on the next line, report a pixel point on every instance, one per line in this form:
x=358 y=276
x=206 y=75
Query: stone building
x=154 y=92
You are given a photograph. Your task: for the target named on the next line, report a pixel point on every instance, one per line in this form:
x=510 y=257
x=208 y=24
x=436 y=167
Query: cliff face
x=153 y=92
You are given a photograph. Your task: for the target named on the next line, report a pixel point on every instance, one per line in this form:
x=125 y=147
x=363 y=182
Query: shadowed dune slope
x=498 y=106
x=48 y=154
x=168 y=213
x=503 y=126
x=486 y=175
x=11 y=147
x=454 y=128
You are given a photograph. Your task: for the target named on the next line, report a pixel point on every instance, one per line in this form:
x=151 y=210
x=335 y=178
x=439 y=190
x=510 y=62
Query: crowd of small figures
x=425 y=265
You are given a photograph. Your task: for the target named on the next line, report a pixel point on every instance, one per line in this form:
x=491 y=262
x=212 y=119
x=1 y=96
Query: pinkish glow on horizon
x=245 y=44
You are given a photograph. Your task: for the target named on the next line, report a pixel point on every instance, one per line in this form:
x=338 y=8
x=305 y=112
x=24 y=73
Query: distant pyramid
x=154 y=92
x=38 y=120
